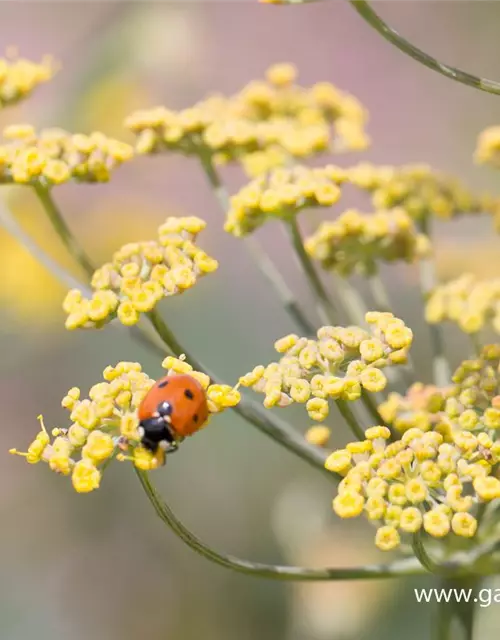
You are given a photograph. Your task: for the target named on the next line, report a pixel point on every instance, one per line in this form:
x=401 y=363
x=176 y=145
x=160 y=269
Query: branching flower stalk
x=379 y=293
x=258 y=253
x=8 y=222
x=457 y=568
x=421 y=554
x=352 y=301
x=272 y=426
x=60 y=226
x=348 y=416
x=325 y=307
x=397 y=569
x=75 y=249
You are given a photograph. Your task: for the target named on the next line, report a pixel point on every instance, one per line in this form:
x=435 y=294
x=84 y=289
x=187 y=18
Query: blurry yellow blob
x=482 y=258
x=106 y=105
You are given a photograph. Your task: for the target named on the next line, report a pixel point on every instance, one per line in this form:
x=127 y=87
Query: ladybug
x=175 y=407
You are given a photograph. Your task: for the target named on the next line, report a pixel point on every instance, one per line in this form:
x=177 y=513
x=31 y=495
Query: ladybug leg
x=169 y=447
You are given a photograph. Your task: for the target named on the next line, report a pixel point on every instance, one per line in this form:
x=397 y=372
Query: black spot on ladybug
x=162 y=384
x=189 y=394
x=195 y=417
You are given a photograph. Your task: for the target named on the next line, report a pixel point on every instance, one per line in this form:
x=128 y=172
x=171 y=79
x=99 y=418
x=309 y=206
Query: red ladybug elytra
x=175 y=407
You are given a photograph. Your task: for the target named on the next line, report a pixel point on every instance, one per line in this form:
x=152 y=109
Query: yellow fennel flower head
x=420 y=481
x=338 y=365
x=356 y=242
x=422 y=407
x=475 y=404
x=19 y=77
x=282 y=194
x=140 y=275
x=419 y=190
x=263 y=125
x=105 y=425
x=54 y=156
x=468 y=302
x=101 y=425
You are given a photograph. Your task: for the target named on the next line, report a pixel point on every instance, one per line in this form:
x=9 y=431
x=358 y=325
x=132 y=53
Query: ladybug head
x=164 y=409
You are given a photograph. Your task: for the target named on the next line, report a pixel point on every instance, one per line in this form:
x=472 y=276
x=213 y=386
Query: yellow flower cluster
x=140 y=275
x=338 y=365
x=275 y=118
x=467 y=301
x=282 y=194
x=418 y=482
x=19 y=77
x=471 y=403
x=488 y=147
x=418 y=189
x=420 y=408
x=355 y=241
x=104 y=426
x=54 y=156
x=477 y=387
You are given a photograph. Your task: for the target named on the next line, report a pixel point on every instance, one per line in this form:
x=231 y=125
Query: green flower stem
x=379 y=293
x=51 y=209
x=352 y=301
x=356 y=310
x=475 y=342
x=421 y=554
x=256 y=414
x=76 y=251
x=427 y=272
x=12 y=227
x=347 y=414
x=258 y=253
x=396 y=569
x=364 y=9
x=326 y=310
x=482 y=557
x=371 y=407
x=374 y=20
